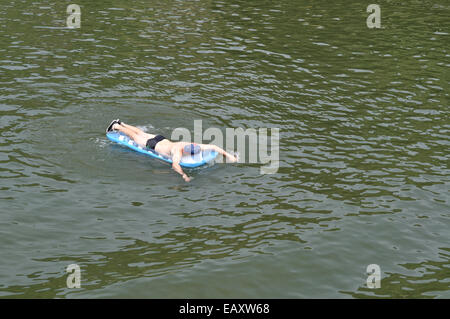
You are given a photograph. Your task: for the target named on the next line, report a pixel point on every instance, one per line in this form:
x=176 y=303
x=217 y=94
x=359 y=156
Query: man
x=161 y=145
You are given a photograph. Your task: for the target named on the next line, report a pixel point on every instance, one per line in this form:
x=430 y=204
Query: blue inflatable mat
x=186 y=161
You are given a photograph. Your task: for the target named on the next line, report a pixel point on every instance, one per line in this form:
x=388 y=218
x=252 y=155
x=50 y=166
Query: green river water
x=363 y=178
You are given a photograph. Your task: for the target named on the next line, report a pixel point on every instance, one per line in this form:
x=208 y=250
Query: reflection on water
x=363 y=178
x=429 y=279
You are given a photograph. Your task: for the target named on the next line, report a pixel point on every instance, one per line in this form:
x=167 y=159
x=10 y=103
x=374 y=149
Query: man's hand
x=177 y=168
x=231 y=158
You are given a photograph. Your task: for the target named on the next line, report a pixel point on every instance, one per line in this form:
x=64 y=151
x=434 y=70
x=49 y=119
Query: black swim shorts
x=151 y=143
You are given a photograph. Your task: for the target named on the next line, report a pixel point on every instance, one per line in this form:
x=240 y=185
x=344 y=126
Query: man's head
x=191 y=149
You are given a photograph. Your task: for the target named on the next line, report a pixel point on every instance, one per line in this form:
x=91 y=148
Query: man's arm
x=230 y=157
x=176 y=158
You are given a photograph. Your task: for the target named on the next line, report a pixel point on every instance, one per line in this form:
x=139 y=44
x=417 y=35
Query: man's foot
x=111 y=125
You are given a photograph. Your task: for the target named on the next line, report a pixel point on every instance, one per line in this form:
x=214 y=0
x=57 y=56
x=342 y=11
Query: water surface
x=364 y=149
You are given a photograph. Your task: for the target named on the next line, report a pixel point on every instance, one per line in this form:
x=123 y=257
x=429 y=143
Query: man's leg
x=133 y=128
x=136 y=134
